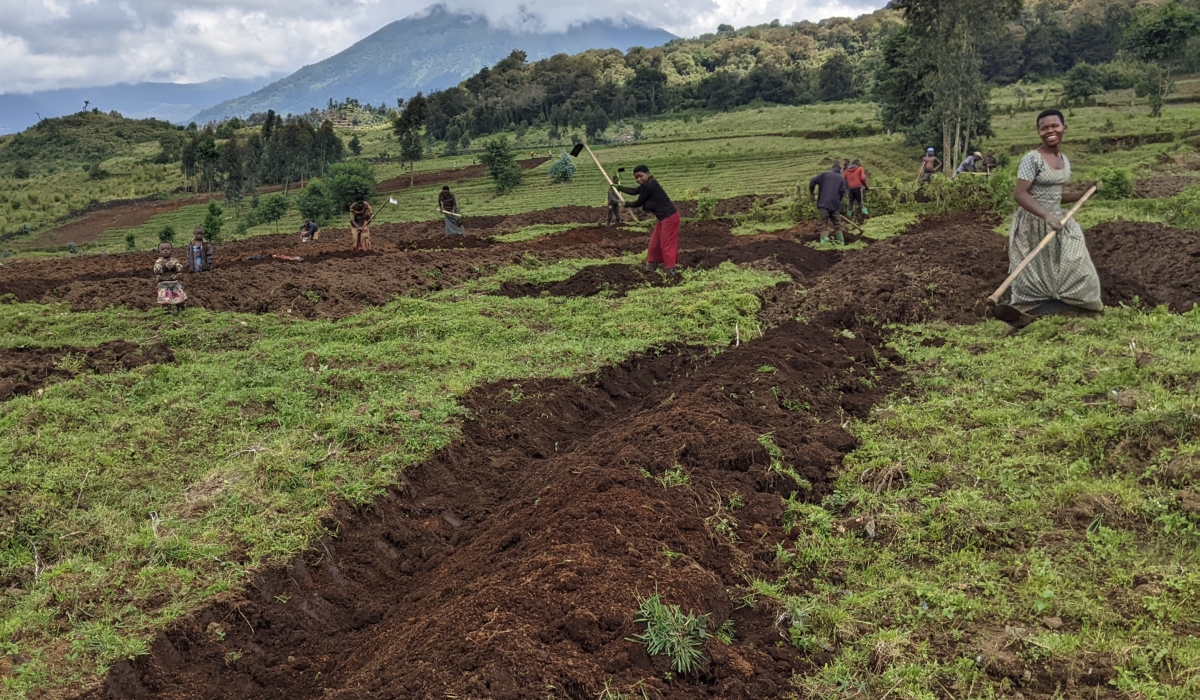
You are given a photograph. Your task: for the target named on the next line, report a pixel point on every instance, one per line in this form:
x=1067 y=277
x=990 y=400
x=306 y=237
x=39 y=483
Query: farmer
x=360 y=222
x=664 y=241
x=166 y=268
x=856 y=181
x=990 y=163
x=829 y=204
x=309 y=231
x=930 y=164
x=448 y=205
x=615 y=203
x=199 y=253
x=971 y=163
x=1062 y=278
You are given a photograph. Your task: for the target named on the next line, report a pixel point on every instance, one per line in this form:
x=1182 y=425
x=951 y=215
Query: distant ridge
x=173 y=102
x=433 y=49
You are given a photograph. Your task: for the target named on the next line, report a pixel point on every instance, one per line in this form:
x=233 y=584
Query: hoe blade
x=577 y=150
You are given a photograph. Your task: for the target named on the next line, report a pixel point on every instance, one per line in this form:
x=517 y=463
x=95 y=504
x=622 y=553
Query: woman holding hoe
x=664 y=241
x=1061 y=279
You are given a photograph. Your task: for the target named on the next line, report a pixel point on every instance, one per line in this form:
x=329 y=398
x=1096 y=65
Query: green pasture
x=135 y=496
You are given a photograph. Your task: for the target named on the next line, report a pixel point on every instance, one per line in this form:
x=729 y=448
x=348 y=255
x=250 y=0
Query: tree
x=317 y=202
x=1159 y=37
x=272 y=209
x=167 y=234
x=213 y=221
x=355 y=146
x=563 y=169
x=1154 y=83
x=501 y=162
x=836 y=79
x=350 y=182
x=946 y=29
x=1082 y=83
x=408 y=126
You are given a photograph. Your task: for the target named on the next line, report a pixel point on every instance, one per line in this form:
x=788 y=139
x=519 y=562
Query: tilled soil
x=512 y=561
x=23 y=371
x=1154 y=263
x=405 y=258
x=1162 y=186
x=940 y=269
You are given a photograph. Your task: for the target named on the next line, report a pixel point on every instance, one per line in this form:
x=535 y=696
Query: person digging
x=448 y=206
x=360 y=223
x=615 y=203
x=856 y=182
x=1061 y=279
x=664 y=241
x=832 y=190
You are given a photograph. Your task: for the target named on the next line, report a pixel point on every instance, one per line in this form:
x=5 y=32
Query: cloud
x=47 y=44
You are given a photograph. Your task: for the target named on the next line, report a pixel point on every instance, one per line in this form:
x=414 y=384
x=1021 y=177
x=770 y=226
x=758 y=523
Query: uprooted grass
x=1025 y=519
x=130 y=498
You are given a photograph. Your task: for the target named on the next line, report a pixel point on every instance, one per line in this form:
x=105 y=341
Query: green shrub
x=803 y=208
x=21 y=172
x=72 y=248
x=130 y=241
x=501 y=162
x=563 y=169
x=166 y=235
x=213 y=221
x=1117 y=183
x=349 y=182
x=317 y=202
x=706 y=207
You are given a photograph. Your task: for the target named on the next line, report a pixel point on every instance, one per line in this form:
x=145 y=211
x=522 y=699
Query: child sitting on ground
x=170 y=293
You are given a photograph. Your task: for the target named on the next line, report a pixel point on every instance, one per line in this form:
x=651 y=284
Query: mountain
x=173 y=102
x=432 y=50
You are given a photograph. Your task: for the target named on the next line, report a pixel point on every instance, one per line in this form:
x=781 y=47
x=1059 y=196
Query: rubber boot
x=841 y=239
x=672 y=272
x=649 y=266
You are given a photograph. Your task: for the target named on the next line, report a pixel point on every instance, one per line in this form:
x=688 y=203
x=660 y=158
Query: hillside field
x=516 y=465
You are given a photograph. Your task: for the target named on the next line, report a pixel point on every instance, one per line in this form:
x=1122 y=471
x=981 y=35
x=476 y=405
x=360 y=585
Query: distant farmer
x=971 y=164
x=200 y=253
x=1062 y=278
x=166 y=268
x=615 y=203
x=360 y=222
x=664 y=241
x=829 y=204
x=930 y=164
x=856 y=181
x=448 y=205
x=989 y=162
x=309 y=231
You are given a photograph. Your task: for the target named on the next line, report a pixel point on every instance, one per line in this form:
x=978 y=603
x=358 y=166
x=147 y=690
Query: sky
x=48 y=44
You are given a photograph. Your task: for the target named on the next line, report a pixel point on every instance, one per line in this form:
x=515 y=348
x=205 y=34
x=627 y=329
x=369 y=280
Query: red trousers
x=664 y=242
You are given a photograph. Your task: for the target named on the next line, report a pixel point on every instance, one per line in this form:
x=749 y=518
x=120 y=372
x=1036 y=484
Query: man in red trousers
x=664 y=242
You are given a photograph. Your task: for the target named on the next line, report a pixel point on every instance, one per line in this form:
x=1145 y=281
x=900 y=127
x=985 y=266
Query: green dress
x=1063 y=270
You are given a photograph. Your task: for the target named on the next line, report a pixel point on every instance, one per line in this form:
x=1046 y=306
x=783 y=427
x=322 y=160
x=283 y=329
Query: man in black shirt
x=829 y=203
x=664 y=241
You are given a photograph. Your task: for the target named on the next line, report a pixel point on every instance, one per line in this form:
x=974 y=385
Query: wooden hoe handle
x=609 y=180
x=995 y=297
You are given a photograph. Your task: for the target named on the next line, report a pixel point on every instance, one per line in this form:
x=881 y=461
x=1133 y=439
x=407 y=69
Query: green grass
x=529 y=233
x=881 y=227
x=1019 y=484
x=133 y=497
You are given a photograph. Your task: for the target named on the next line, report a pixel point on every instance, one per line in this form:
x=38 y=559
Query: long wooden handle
x=608 y=179
x=995 y=297
x=450 y=213
x=850 y=221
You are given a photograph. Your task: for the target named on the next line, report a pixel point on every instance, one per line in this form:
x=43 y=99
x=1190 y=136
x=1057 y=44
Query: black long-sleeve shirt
x=652 y=198
x=833 y=189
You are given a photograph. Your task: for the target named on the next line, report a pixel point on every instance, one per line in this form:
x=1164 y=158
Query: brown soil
x=613 y=280
x=937 y=270
x=406 y=258
x=23 y=371
x=512 y=561
x=1162 y=186
x=1156 y=264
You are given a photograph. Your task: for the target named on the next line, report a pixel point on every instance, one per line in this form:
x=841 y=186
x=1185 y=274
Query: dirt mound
x=448 y=176
x=511 y=562
x=614 y=280
x=800 y=260
x=1156 y=264
x=1162 y=186
x=23 y=371
x=729 y=207
x=937 y=270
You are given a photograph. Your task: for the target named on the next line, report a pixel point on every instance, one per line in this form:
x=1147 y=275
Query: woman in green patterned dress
x=1062 y=278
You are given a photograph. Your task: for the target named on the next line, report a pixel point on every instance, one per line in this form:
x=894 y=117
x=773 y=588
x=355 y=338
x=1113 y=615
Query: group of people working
x=974 y=163
x=830 y=188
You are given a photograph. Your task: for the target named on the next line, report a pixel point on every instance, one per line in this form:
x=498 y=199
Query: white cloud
x=46 y=44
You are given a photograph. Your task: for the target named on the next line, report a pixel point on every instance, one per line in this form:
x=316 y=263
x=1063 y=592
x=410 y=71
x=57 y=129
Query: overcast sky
x=47 y=44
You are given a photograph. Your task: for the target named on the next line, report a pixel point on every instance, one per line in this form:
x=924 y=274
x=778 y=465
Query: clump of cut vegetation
x=669 y=631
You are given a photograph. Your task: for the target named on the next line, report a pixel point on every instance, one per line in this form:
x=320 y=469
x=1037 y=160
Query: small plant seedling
x=777 y=465
x=675 y=476
x=736 y=500
x=672 y=632
x=725 y=633
x=311 y=296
